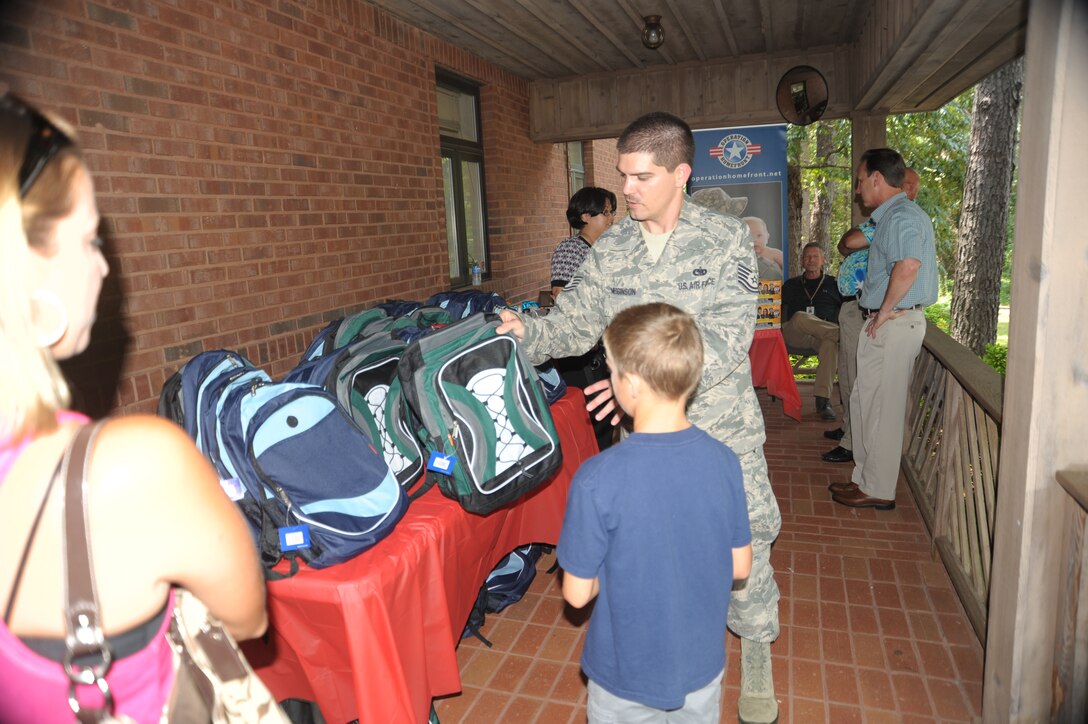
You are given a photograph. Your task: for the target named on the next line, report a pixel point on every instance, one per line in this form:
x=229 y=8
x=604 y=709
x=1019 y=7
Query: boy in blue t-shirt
x=657 y=529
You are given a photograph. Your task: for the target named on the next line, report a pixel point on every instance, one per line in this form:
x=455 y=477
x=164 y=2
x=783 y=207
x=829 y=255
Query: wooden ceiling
x=540 y=39
x=886 y=55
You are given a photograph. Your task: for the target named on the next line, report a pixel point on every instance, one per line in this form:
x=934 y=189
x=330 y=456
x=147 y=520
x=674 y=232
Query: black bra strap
x=29 y=542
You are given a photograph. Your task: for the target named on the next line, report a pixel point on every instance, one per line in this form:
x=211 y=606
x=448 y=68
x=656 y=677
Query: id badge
x=810 y=309
x=293 y=537
x=442 y=464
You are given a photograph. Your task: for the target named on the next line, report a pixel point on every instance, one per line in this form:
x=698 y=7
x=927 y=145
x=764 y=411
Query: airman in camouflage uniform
x=707 y=268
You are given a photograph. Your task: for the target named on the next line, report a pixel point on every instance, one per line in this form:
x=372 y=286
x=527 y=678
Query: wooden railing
x=953 y=437
x=1070 y=696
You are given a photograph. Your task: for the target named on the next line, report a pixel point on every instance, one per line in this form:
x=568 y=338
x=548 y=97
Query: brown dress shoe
x=858 y=499
x=846 y=487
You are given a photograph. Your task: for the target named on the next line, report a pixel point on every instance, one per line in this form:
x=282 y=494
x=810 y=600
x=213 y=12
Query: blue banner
x=748 y=167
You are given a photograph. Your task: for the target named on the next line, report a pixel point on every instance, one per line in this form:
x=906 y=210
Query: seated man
x=810 y=306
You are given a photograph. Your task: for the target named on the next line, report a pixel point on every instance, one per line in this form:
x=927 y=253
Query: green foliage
x=1006 y=277
x=996 y=356
x=1006 y=270
x=936 y=145
x=818 y=170
x=940 y=314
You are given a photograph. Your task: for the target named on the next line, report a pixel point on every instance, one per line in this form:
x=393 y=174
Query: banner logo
x=735 y=151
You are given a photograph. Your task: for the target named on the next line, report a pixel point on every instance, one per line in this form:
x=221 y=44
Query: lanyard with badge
x=811 y=308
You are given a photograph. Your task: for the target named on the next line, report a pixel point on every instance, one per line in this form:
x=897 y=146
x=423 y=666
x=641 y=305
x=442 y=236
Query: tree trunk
x=983 y=232
x=820 y=220
x=796 y=202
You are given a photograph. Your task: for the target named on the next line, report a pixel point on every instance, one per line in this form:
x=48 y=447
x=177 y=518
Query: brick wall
x=601 y=158
x=263 y=166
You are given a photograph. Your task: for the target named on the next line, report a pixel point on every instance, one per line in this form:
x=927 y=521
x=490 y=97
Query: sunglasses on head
x=46 y=140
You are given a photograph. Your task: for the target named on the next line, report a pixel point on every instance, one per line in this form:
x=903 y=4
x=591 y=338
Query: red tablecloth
x=374 y=638
x=771 y=369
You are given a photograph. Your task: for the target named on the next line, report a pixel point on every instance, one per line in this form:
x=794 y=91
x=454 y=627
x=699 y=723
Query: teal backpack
x=479 y=409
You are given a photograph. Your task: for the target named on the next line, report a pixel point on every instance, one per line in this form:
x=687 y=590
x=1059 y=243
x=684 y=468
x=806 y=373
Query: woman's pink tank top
x=35 y=689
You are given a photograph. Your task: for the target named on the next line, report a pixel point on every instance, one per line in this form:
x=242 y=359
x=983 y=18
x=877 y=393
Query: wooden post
x=870 y=131
x=1046 y=390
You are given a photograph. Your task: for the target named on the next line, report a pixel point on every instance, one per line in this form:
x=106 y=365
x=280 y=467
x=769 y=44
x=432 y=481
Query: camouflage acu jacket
x=707 y=269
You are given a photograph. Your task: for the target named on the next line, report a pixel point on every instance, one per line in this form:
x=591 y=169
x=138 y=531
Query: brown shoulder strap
x=84 y=629
x=82 y=621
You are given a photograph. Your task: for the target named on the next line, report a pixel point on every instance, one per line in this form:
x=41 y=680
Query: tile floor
x=872 y=630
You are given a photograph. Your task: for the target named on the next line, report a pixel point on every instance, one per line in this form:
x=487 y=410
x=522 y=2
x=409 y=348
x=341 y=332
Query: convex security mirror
x=802 y=95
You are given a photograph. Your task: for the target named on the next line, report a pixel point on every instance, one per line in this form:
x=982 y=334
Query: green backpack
x=481 y=414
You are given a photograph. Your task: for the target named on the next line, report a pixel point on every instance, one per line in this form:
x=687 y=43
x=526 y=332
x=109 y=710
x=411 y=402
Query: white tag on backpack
x=233 y=488
x=441 y=463
x=293 y=537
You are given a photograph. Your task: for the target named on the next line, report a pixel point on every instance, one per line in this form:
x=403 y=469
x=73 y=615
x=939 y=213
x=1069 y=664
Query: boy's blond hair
x=659 y=343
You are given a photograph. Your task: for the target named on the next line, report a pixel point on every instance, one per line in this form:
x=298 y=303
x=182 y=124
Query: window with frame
x=576 y=166
x=462 y=177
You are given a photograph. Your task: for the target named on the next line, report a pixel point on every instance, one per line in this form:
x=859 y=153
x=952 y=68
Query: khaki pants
x=808 y=331
x=878 y=404
x=850 y=324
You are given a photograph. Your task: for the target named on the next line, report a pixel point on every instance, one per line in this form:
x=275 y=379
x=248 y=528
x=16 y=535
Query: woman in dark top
x=590 y=212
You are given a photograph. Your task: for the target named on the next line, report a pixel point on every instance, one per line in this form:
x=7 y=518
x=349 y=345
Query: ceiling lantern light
x=653 y=35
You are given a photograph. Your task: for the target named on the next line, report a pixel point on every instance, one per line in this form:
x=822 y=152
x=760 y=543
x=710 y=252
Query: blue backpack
x=509 y=580
x=293 y=461
x=304 y=463
x=322 y=342
x=505 y=584
x=201 y=382
x=466 y=303
x=363 y=378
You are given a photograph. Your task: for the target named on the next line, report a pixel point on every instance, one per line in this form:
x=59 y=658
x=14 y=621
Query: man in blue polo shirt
x=901 y=280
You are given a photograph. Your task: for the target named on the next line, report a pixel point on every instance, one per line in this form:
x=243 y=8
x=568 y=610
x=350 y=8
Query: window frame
x=576 y=172
x=459 y=151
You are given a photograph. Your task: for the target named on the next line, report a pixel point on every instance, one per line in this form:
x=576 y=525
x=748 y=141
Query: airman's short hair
x=665 y=137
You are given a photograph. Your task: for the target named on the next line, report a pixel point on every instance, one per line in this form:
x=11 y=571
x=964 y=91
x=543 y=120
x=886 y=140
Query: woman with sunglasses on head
x=155 y=512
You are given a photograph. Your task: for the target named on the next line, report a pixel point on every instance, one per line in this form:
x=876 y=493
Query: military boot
x=757 y=704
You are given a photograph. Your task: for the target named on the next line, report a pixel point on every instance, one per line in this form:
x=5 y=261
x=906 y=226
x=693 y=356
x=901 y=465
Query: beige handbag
x=213 y=682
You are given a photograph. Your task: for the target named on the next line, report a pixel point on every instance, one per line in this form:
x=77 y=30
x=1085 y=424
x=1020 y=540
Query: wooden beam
x=707 y=95
x=1046 y=390
x=528 y=38
x=907 y=39
x=604 y=30
x=678 y=15
x=394 y=9
x=727 y=31
x=965 y=69
x=941 y=52
x=1075 y=483
x=766 y=25
x=570 y=38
